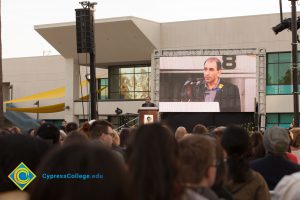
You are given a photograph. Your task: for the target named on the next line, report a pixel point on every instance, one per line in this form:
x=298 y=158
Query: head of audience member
x=257 y=149
x=107 y=178
x=62 y=136
x=199 y=129
x=42 y=121
x=152 y=162
x=85 y=128
x=295 y=135
x=211 y=128
x=63 y=125
x=71 y=126
x=17 y=148
x=124 y=137
x=75 y=137
x=31 y=132
x=276 y=141
x=180 y=133
x=222 y=171
x=15 y=130
x=218 y=132
x=235 y=141
x=4 y=132
x=102 y=130
x=197 y=170
x=115 y=138
x=49 y=133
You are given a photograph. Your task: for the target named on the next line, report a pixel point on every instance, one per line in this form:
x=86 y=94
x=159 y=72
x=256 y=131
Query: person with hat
x=275 y=164
x=49 y=133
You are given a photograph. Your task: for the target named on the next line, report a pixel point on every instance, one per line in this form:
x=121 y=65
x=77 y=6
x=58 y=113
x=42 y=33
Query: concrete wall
x=33 y=75
x=226 y=33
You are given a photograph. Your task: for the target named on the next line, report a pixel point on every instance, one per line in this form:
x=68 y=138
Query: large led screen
x=207 y=83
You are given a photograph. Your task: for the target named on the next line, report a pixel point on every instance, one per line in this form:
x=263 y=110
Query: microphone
x=199 y=81
x=187 y=82
x=186 y=90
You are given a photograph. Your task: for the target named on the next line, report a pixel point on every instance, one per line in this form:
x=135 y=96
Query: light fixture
x=285 y=24
x=88 y=77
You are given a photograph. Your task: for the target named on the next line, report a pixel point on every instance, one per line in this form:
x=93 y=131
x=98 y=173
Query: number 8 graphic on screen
x=229 y=62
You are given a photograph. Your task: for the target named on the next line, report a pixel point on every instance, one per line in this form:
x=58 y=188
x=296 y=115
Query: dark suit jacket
x=274 y=168
x=148 y=104
x=228 y=96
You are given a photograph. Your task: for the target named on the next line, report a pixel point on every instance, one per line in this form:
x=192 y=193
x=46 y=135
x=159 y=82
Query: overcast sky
x=19 y=39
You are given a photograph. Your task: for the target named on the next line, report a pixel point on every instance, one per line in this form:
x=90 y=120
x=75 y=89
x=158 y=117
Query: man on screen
x=214 y=89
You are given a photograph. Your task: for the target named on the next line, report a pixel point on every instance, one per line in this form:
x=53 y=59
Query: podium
x=148 y=115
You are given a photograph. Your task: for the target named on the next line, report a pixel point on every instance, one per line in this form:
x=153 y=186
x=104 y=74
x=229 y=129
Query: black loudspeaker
x=85 y=30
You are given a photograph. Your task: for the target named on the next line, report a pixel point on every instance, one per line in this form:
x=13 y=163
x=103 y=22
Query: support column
x=72 y=89
x=294 y=63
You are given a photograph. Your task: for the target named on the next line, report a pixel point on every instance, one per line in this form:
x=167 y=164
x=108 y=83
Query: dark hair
x=81 y=158
x=4 y=132
x=153 y=163
x=15 y=130
x=71 y=126
x=49 y=133
x=218 y=131
x=124 y=137
x=75 y=137
x=31 y=130
x=257 y=149
x=99 y=127
x=199 y=129
x=222 y=170
x=214 y=59
x=295 y=142
x=17 y=148
x=235 y=141
x=85 y=128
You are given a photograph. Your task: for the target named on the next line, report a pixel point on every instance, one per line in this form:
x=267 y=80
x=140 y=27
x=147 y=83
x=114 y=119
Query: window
x=283 y=120
x=103 y=88
x=56 y=122
x=279 y=75
x=129 y=82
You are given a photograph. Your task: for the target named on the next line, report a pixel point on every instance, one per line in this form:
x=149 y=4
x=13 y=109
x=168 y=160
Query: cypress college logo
x=21 y=176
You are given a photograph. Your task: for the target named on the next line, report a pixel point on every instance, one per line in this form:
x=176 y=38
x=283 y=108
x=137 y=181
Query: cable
x=87 y=89
x=81 y=88
x=97 y=96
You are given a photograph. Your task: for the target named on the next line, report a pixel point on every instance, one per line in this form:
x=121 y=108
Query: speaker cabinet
x=85 y=30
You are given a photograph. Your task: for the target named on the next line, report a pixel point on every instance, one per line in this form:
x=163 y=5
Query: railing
x=135 y=122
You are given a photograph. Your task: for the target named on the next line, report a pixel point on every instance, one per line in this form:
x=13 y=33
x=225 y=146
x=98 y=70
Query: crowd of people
x=151 y=162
